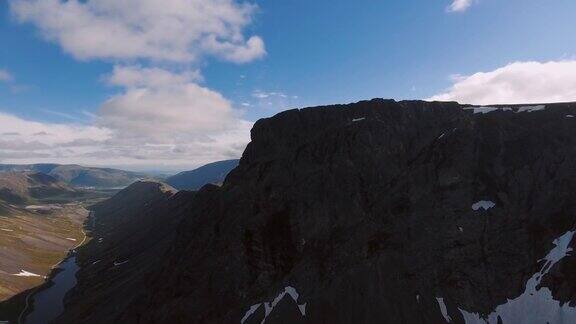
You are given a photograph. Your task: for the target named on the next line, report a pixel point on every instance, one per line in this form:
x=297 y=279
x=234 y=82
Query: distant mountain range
x=90 y=177
x=24 y=188
x=209 y=173
x=80 y=176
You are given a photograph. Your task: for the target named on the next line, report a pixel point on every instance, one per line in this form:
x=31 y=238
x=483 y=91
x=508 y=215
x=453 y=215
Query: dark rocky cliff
x=377 y=212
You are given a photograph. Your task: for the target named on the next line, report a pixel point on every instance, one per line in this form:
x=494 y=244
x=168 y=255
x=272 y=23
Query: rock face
x=195 y=179
x=375 y=212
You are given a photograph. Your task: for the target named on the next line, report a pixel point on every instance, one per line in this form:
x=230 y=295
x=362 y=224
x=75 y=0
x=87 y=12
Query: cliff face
x=379 y=212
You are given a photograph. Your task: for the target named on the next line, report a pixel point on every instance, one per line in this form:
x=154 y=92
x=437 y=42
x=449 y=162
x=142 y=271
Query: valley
x=32 y=242
x=42 y=220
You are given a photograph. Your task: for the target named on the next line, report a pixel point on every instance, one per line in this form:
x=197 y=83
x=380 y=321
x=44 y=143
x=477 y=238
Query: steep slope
x=81 y=176
x=375 y=212
x=195 y=179
x=130 y=234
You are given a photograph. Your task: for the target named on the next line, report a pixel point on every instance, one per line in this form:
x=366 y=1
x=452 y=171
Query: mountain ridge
x=80 y=176
x=378 y=211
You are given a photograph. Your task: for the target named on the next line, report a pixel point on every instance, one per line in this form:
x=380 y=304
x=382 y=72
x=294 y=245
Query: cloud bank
x=160 y=118
x=161 y=115
x=166 y=30
x=519 y=82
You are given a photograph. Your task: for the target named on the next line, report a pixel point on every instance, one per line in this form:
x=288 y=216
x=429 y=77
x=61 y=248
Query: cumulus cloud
x=160 y=106
x=165 y=30
x=519 y=82
x=31 y=139
x=459 y=5
x=5 y=76
x=137 y=76
x=158 y=119
x=159 y=116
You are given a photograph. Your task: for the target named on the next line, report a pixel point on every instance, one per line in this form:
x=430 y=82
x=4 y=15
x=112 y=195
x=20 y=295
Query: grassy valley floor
x=33 y=241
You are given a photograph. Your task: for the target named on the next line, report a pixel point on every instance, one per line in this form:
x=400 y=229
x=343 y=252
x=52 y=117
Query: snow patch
x=302 y=309
x=71 y=239
x=487 y=109
x=482 y=110
x=439 y=137
x=444 y=310
x=250 y=312
x=358 y=119
x=269 y=307
x=531 y=108
x=570 y=116
x=43 y=208
x=484 y=204
x=120 y=263
x=534 y=305
x=6 y=230
x=24 y=273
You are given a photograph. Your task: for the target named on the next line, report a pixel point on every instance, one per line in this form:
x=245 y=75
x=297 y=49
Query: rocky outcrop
x=375 y=212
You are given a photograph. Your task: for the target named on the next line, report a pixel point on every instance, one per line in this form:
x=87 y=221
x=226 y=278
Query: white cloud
x=27 y=140
x=137 y=76
x=459 y=5
x=159 y=119
x=165 y=30
x=520 y=82
x=259 y=94
x=5 y=76
x=272 y=101
x=159 y=111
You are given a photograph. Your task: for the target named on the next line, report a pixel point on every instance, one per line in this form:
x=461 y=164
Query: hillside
x=375 y=212
x=195 y=179
x=80 y=176
x=131 y=232
x=25 y=188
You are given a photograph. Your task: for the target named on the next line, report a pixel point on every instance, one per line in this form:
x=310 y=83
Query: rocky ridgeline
x=375 y=212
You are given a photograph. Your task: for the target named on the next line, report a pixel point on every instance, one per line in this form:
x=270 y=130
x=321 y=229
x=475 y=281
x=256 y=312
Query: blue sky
x=312 y=53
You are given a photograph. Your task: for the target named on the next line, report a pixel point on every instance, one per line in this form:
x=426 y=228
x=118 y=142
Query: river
x=49 y=303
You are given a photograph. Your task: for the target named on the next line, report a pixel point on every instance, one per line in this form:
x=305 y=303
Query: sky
x=173 y=84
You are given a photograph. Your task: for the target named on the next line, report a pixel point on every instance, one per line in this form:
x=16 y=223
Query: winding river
x=49 y=303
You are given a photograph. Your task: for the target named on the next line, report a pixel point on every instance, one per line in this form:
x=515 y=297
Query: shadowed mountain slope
x=375 y=212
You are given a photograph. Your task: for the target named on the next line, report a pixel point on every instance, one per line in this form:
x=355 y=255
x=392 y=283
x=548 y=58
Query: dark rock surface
x=129 y=235
x=366 y=210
